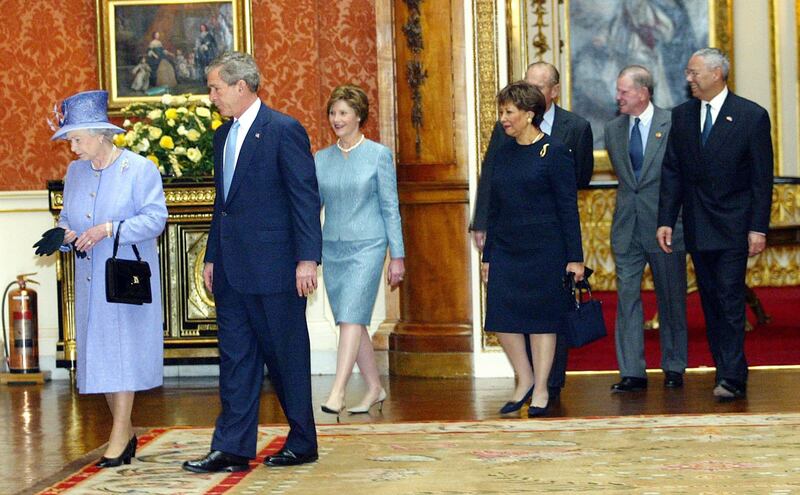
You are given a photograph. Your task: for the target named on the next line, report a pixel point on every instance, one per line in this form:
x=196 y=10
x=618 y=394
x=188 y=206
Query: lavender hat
x=84 y=110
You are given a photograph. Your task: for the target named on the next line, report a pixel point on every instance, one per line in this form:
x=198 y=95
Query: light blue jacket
x=359 y=194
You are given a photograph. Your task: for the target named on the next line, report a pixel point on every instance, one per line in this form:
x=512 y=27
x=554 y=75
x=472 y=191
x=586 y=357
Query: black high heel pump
x=124 y=458
x=511 y=407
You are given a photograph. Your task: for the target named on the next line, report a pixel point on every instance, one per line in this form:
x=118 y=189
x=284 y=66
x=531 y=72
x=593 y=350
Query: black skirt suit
x=533 y=231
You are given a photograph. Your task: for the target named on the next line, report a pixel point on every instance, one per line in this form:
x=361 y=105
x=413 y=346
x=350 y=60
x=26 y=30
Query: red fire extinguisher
x=22 y=353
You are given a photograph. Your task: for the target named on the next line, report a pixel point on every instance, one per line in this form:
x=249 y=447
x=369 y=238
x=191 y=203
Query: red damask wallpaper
x=304 y=49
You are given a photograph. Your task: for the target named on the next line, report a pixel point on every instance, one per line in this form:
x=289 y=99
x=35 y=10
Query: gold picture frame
x=544 y=30
x=147 y=48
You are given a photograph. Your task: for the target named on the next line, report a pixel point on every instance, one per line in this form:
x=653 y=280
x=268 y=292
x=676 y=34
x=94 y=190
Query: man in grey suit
x=636 y=142
x=572 y=130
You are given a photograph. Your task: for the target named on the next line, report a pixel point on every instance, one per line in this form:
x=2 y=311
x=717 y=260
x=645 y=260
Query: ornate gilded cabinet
x=190 y=331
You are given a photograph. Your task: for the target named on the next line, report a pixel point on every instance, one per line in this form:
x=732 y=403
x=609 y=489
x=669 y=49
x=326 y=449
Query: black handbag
x=585 y=323
x=127 y=281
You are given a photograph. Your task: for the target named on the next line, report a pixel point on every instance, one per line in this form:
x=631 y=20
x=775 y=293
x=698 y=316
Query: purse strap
x=116 y=244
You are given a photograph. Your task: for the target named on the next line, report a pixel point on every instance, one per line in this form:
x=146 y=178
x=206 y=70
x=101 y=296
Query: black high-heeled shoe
x=124 y=458
x=511 y=407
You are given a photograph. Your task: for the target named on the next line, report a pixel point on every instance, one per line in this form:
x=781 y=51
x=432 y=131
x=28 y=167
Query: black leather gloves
x=52 y=240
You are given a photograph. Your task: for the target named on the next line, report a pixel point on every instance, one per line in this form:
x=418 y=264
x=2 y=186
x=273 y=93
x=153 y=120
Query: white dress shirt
x=245 y=123
x=547 y=120
x=716 y=105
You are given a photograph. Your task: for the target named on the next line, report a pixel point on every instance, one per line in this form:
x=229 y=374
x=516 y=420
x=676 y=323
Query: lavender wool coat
x=119 y=346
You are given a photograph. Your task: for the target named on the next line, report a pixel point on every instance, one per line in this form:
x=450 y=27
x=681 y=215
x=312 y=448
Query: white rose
x=202 y=112
x=194 y=154
x=126 y=124
x=179 y=150
x=182 y=130
x=179 y=100
x=182 y=110
x=166 y=99
x=142 y=146
x=154 y=114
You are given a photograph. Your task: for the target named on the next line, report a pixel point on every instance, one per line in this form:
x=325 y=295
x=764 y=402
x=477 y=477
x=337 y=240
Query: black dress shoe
x=673 y=379
x=630 y=384
x=729 y=390
x=286 y=457
x=217 y=462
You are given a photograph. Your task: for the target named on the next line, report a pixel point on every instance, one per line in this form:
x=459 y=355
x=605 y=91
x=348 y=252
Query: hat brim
x=62 y=132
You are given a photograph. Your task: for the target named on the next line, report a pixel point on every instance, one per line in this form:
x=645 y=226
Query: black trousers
x=721 y=282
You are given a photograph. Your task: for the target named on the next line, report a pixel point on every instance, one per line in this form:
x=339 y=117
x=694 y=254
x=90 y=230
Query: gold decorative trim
x=487 y=86
x=198 y=196
x=776 y=94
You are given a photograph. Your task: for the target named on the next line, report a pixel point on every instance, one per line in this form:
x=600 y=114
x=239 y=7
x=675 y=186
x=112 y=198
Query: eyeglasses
x=691 y=73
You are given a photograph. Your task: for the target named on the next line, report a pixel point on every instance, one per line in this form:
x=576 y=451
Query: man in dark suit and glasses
x=636 y=142
x=718 y=168
x=570 y=129
x=263 y=248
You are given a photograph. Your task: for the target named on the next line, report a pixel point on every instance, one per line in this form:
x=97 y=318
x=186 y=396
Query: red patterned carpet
x=775 y=343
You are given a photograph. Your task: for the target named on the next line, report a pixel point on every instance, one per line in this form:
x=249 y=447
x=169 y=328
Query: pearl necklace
x=351 y=148
x=108 y=161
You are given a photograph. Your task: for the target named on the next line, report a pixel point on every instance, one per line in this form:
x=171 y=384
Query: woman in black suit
x=533 y=241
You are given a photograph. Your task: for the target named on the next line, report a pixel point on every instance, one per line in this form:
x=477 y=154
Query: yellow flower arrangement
x=175 y=133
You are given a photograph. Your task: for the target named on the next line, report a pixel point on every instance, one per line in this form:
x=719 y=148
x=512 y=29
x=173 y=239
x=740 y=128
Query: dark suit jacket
x=569 y=128
x=636 y=207
x=270 y=220
x=724 y=187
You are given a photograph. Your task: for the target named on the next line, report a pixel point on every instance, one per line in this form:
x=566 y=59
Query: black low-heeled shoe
x=537 y=412
x=124 y=458
x=511 y=407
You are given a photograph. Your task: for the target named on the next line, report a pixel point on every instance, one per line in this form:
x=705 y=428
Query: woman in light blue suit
x=358 y=188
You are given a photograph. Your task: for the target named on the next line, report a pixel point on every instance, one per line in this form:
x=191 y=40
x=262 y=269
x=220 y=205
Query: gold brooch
x=543 y=152
x=658 y=135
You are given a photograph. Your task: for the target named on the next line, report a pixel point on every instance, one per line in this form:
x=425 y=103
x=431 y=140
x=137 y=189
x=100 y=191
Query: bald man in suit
x=636 y=142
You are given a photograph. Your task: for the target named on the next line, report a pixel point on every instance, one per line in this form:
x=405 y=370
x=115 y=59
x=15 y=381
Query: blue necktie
x=635 y=150
x=229 y=163
x=707 y=125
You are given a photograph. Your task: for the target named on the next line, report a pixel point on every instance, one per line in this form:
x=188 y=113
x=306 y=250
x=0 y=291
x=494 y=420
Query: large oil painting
x=606 y=36
x=151 y=48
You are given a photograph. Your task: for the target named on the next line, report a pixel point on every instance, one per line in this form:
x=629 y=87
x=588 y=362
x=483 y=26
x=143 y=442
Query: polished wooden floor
x=45 y=427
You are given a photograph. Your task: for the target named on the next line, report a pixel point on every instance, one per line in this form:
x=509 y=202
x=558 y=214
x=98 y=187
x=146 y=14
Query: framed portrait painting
x=148 y=48
x=590 y=41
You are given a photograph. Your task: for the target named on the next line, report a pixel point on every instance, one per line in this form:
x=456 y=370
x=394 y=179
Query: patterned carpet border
x=405 y=456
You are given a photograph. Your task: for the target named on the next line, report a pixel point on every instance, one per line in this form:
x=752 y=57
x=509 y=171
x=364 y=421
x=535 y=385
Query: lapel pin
x=658 y=135
x=258 y=135
x=729 y=118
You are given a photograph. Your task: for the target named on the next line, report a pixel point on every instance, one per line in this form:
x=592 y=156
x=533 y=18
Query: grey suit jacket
x=636 y=211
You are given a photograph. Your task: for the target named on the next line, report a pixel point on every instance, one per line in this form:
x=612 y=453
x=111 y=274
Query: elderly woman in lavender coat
x=119 y=346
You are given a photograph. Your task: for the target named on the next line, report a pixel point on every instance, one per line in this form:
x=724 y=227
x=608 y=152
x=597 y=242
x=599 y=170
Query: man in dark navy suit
x=718 y=167
x=261 y=260
x=572 y=130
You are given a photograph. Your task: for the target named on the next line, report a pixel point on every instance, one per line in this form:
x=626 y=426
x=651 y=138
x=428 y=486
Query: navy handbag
x=585 y=322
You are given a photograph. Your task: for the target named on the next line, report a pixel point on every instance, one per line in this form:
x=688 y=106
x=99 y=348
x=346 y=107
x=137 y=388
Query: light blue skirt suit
x=120 y=346
x=359 y=195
